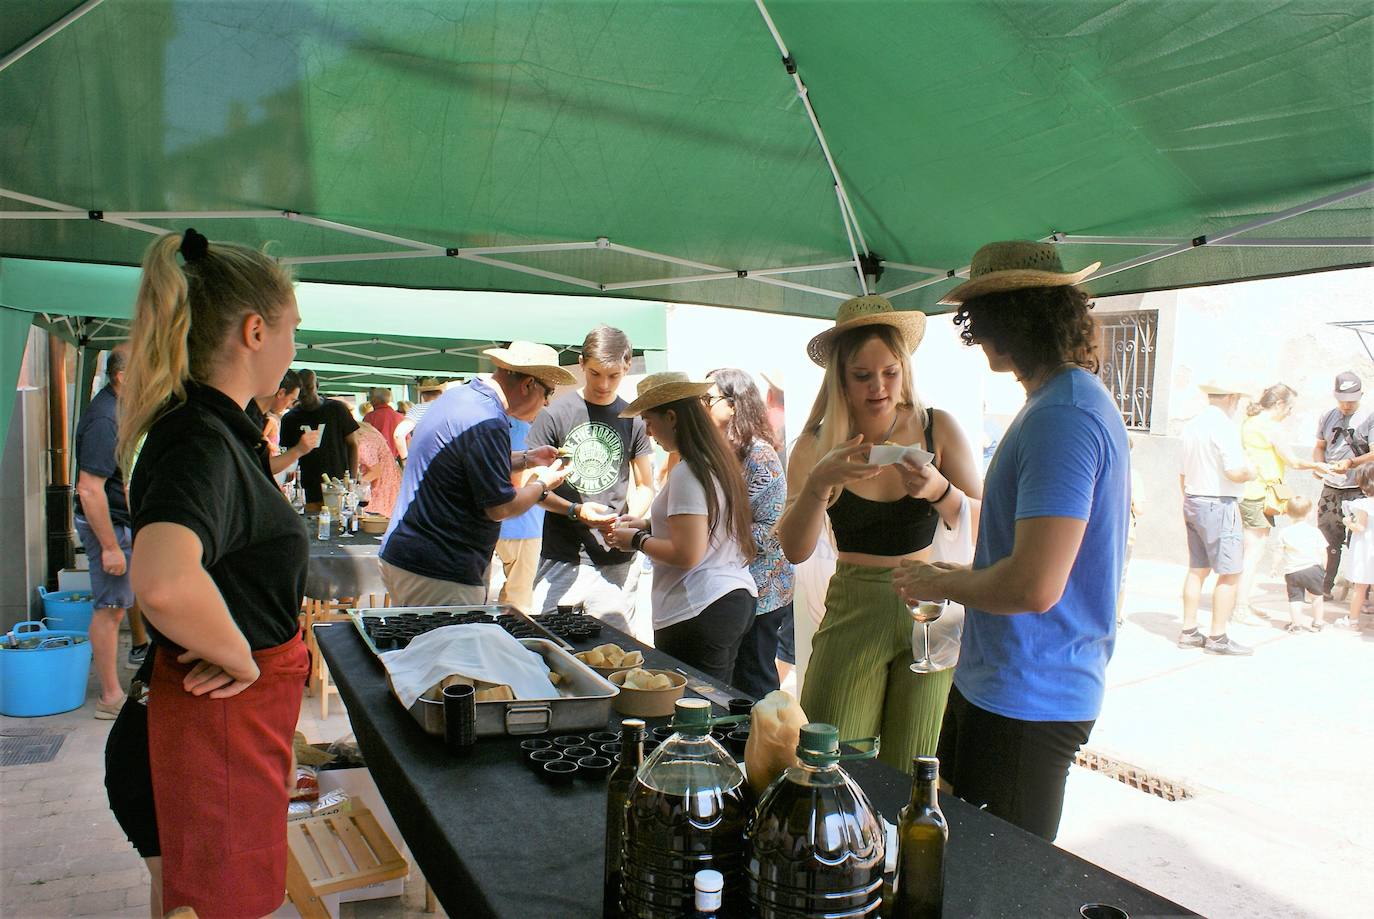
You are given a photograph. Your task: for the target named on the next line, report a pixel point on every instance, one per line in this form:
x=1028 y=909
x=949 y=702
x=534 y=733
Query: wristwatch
x=573 y=510
x=544 y=493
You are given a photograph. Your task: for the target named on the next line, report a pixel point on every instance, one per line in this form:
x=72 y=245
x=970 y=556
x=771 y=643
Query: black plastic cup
x=559 y=772
x=735 y=742
x=460 y=718
x=570 y=740
x=536 y=759
x=612 y=749
x=1102 y=911
x=579 y=751
x=662 y=733
x=529 y=746
x=741 y=706
x=600 y=737
x=594 y=767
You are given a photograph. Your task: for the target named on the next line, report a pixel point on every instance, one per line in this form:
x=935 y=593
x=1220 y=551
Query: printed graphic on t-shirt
x=596 y=452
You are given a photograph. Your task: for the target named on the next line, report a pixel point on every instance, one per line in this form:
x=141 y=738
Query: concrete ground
x=1273 y=748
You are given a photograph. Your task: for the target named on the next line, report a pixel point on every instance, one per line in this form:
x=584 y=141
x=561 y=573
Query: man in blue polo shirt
x=1041 y=595
x=458 y=486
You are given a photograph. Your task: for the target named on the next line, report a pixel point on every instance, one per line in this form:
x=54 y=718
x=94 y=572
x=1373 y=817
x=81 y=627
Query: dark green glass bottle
x=617 y=793
x=921 y=836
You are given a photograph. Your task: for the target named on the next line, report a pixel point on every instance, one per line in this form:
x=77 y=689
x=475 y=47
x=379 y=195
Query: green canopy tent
x=778 y=155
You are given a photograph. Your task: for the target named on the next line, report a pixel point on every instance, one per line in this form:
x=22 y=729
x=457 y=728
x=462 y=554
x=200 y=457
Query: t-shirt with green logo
x=601 y=447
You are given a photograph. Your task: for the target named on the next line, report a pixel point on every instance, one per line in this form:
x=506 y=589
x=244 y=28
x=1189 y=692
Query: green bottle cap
x=818 y=744
x=693 y=715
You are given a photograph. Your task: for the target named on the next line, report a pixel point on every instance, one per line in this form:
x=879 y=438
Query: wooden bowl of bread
x=374 y=524
x=610 y=658
x=647 y=693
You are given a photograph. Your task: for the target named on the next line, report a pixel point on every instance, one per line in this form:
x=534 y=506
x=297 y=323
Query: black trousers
x=756 y=668
x=1330 y=520
x=1017 y=768
x=710 y=640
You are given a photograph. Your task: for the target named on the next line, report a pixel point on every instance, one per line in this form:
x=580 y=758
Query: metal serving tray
x=492 y=610
x=583 y=704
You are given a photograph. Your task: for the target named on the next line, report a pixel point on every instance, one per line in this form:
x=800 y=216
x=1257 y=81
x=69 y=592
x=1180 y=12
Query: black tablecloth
x=493 y=840
x=343 y=567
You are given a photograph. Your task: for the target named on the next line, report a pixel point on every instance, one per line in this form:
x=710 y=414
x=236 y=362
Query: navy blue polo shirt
x=97 y=438
x=459 y=466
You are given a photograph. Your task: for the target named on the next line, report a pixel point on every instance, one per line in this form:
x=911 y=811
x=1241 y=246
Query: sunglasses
x=709 y=400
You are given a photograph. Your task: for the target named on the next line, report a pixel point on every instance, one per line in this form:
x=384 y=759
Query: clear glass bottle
x=632 y=732
x=921 y=836
x=686 y=812
x=816 y=845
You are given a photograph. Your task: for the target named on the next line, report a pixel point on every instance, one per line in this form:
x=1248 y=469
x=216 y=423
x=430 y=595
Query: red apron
x=219 y=781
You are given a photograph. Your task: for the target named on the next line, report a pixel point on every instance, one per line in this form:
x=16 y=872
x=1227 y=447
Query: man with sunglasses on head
x=463 y=480
x=610 y=474
x=1343 y=436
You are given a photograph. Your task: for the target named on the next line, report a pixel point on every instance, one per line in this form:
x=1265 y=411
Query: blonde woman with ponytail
x=197 y=770
x=859 y=675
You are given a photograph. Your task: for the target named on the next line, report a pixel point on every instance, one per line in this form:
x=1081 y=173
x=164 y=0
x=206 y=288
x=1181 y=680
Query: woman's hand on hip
x=216 y=681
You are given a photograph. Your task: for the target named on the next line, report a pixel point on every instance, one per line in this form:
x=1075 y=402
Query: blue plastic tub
x=45 y=680
x=68 y=609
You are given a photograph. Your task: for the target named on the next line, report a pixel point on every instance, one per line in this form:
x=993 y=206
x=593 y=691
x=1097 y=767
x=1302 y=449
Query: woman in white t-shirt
x=698 y=533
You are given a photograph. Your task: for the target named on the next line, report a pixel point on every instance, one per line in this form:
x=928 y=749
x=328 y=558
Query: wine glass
x=924 y=612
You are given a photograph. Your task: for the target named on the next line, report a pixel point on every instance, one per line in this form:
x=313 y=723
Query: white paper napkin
x=893 y=454
x=478 y=651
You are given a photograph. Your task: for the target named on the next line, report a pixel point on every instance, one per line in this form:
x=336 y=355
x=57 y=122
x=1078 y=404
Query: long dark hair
x=704 y=450
x=309 y=398
x=1037 y=327
x=751 y=415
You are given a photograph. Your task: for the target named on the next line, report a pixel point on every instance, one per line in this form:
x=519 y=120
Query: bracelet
x=949 y=487
x=573 y=510
x=543 y=488
x=524 y=459
x=640 y=538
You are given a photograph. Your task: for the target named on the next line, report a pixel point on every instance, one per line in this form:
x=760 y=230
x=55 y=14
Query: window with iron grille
x=1126 y=345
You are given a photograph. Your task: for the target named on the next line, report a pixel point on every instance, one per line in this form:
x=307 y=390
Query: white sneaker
x=1345 y=622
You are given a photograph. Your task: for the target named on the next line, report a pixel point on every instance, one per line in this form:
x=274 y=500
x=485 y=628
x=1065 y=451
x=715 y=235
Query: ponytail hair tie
x=193 y=245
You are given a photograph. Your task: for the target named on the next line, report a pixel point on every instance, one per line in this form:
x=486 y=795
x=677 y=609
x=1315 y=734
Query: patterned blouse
x=767 y=494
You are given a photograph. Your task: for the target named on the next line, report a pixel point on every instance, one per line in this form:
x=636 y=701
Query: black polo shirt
x=204 y=466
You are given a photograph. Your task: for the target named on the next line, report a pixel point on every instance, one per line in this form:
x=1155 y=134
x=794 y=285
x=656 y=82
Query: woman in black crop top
x=197 y=772
x=859 y=676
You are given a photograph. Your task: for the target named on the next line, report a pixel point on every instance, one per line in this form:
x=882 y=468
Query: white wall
x=702 y=338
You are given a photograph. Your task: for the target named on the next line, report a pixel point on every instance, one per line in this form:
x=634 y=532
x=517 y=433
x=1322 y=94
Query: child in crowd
x=1304 y=559
x=1360 y=562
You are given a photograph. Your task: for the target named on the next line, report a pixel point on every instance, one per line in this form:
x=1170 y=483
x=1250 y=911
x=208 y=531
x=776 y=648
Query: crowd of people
x=559 y=492
x=1233 y=478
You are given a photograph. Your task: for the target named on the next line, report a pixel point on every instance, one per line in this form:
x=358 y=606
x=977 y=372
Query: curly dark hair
x=1037 y=327
x=751 y=415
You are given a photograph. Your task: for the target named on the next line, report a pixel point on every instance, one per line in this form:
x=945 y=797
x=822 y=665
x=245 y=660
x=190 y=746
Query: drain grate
x=1134 y=776
x=28 y=747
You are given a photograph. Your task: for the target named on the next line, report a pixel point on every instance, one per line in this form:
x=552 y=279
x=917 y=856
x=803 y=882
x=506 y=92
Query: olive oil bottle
x=921 y=836
x=617 y=793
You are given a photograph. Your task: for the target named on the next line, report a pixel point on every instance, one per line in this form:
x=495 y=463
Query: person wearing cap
x=699 y=533
x=458 y=485
x=610 y=475
x=430 y=389
x=1343 y=437
x=1213 y=474
x=1040 y=596
x=859 y=677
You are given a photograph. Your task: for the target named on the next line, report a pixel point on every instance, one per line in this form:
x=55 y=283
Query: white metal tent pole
x=90 y=215
x=195 y=215
x=355 y=231
x=846 y=208
x=858 y=263
x=1315 y=242
x=526 y=269
x=48 y=33
x=362 y=257
x=918 y=269
x=1335 y=198
x=947 y=276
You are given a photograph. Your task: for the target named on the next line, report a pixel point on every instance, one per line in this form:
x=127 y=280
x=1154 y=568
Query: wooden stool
x=340 y=852
x=328 y=611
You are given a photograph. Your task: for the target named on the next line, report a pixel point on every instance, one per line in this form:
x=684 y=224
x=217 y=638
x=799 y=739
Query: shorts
x=108 y=591
x=1306 y=580
x=607 y=592
x=1214 y=534
x=1252 y=514
x=787 y=637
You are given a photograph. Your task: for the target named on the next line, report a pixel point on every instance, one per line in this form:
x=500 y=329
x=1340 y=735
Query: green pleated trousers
x=859 y=677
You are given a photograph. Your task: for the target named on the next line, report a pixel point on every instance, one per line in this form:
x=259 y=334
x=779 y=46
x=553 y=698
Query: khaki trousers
x=410 y=589
x=519 y=560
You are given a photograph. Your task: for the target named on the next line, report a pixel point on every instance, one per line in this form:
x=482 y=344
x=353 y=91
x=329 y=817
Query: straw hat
x=661 y=388
x=1015 y=265
x=869 y=310
x=430 y=384
x=538 y=361
x=1223 y=385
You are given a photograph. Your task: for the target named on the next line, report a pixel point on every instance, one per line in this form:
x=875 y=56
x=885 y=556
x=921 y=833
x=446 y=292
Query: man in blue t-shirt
x=459 y=482
x=1041 y=594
